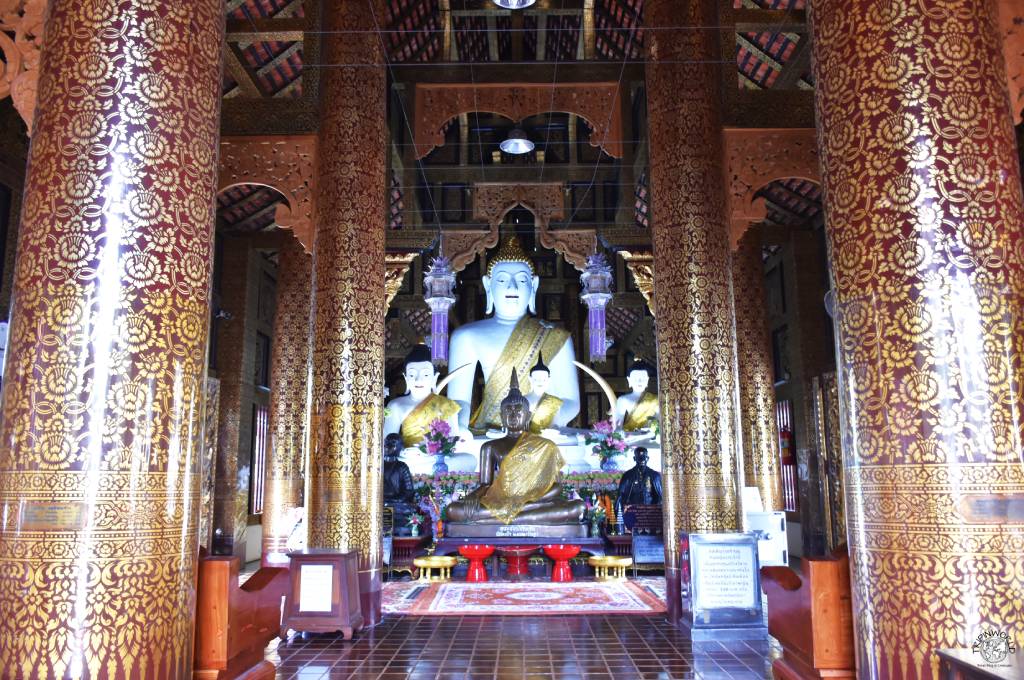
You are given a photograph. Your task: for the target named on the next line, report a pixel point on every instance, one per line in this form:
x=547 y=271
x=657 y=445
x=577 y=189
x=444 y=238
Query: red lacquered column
x=107 y=354
x=289 y=400
x=348 y=334
x=925 y=226
x=692 y=278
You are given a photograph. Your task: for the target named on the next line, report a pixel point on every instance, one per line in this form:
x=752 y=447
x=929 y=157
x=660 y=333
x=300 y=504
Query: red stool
x=476 y=554
x=518 y=559
x=561 y=554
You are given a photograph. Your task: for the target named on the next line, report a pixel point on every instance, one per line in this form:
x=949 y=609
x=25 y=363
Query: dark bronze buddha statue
x=519 y=476
x=399 y=493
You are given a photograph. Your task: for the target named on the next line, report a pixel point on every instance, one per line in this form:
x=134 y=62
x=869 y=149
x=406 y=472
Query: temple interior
x=511 y=339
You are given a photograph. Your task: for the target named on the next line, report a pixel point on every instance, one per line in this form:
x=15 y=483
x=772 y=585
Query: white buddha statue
x=411 y=414
x=511 y=339
x=635 y=409
x=545 y=407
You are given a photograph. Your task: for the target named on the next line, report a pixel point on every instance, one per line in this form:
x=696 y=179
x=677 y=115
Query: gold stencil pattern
x=761 y=461
x=99 y=467
x=925 y=223
x=346 y=501
x=290 y=365
x=692 y=279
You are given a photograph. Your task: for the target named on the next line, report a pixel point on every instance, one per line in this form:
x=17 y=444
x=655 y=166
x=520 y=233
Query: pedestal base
x=722 y=632
x=460 y=530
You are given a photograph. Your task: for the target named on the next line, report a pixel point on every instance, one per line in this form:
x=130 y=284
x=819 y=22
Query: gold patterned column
x=346 y=500
x=107 y=356
x=925 y=226
x=289 y=399
x=759 y=431
x=692 y=279
x=233 y=360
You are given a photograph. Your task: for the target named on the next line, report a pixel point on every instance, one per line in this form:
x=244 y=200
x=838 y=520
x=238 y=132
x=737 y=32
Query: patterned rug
x=531 y=598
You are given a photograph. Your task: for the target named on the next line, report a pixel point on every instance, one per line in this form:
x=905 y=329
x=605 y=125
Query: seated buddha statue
x=510 y=340
x=519 y=476
x=399 y=492
x=543 y=406
x=638 y=407
x=411 y=414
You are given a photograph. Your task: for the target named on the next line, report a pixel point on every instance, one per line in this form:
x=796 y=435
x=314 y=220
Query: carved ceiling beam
x=641 y=265
x=289 y=29
x=598 y=103
x=286 y=164
x=755 y=157
x=240 y=71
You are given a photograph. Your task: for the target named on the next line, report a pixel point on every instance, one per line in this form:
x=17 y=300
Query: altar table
x=450 y=546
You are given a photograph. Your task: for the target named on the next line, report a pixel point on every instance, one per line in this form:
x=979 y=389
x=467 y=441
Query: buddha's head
x=420 y=374
x=639 y=376
x=515 y=408
x=511 y=283
x=540 y=377
x=392 y=447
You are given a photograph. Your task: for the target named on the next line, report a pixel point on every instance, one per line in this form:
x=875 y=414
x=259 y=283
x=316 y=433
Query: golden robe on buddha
x=528 y=472
x=417 y=423
x=528 y=339
x=545 y=413
x=645 y=409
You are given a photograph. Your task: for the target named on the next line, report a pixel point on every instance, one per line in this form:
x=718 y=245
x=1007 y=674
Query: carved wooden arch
x=493 y=201
x=286 y=164
x=600 y=104
x=756 y=157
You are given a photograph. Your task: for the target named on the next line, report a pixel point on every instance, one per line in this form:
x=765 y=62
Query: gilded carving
x=290 y=367
x=21 y=38
x=346 y=501
x=284 y=163
x=597 y=103
x=759 y=430
x=641 y=266
x=396 y=266
x=924 y=221
x=693 y=280
x=106 y=361
x=756 y=157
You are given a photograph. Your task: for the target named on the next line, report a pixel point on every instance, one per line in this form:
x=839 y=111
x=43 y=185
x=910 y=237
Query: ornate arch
x=599 y=104
x=755 y=157
x=286 y=164
x=493 y=201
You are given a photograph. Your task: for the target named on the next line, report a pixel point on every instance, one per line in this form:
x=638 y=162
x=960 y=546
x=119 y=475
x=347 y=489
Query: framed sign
x=323 y=594
x=725 y=585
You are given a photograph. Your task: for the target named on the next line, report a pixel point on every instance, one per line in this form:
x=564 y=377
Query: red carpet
x=534 y=598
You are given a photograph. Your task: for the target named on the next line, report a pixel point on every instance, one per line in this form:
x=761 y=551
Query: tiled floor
x=516 y=648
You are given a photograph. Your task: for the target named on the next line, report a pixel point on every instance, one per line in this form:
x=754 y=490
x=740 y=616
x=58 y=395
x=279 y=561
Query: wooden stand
x=324 y=593
x=812 y=618
x=234 y=624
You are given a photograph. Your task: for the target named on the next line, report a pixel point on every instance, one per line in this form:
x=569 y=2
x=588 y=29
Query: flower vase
x=595 y=528
x=414 y=530
x=440 y=468
x=609 y=465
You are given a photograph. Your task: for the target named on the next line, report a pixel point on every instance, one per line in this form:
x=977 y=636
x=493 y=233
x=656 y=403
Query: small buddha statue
x=639 y=406
x=399 y=493
x=543 y=406
x=519 y=476
x=411 y=414
x=640 y=485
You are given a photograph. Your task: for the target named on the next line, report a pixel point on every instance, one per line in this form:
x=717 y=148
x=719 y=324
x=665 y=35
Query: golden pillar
x=346 y=501
x=925 y=227
x=761 y=463
x=692 y=279
x=290 y=366
x=107 y=356
x=233 y=363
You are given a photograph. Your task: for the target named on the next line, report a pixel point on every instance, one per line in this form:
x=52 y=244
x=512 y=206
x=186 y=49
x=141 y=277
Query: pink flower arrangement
x=608 y=441
x=439 y=440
